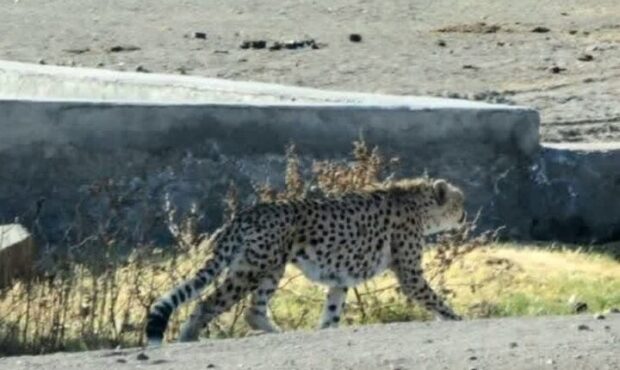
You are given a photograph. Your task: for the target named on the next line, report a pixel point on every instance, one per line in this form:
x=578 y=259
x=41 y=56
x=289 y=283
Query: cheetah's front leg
x=334 y=304
x=415 y=287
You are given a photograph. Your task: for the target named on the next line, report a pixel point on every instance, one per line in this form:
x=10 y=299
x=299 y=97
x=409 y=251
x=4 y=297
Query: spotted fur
x=339 y=242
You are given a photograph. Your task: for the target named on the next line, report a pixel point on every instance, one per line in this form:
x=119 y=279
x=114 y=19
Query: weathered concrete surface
x=506 y=344
x=24 y=80
x=575 y=193
x=72 y=164
x=17 y=253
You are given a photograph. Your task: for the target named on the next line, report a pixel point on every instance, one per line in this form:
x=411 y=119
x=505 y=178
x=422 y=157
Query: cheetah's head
x=445 y=208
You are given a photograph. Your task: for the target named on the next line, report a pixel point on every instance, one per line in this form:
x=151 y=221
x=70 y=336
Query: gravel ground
x=577 y=342
x=560 y=56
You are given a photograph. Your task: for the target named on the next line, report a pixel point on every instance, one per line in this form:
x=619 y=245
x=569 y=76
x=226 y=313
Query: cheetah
x=339 y=242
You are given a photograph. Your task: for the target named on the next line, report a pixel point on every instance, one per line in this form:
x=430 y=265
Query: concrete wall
x=107 y=161
x=57 y=150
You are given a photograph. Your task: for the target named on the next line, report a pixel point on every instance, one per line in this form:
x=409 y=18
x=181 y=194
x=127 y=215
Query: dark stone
x=355 y=37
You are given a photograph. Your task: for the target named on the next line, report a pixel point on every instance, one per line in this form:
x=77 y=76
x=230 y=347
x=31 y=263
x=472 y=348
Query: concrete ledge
x=65 y=129
x=577 y=189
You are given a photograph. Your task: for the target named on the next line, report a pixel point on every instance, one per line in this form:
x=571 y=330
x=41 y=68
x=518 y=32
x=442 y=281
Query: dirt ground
x=578 y=342
x=560 y=56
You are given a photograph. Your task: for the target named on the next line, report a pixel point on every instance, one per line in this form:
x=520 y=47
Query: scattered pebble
x=142 y=356
x=122 y=48
x=599 y=316
x=441 y=43
x=607 y=327
x=585 y=57
x=42 y=61
x=583 y=327
x=77 y=50
x=142 y=69
x=121 y=360
x=200 y=35
x=254 y=44
x=470 y=66
x=573 y=32
x=540 y=29
x=578 y=357
x=480 y=27
x=577 y=307
x=614 y=310
x=557 y=69
x=513 y=345
x=210 y=366
x=355 y=37
x=473 y=358
x=295 y=44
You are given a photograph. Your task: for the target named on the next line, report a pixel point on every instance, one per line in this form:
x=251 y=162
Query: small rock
x=614 y=310
x=200 y=35
x=142 y=356
x=355 y=37
x=540 y=29
x=577 y=307
x=42 y=61
x=210 y=366
x=578 y=357
x=77 y=50
x=501 y=43
x=599 y=316
x=607 y=327
x=583 y=327
x=121 y=360
x=121 y=48
x=555 y=70
x=572 y=32
x=100 y=64
x=254 y=44
x=585 y=57
x=441 y=43
x=470 y=66
x=513 y=345
x=473 y=358
x=141 y=68
x=550 y=361
x=564 y=14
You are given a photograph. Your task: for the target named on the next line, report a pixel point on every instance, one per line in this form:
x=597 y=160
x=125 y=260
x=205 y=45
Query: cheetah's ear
x=440 y=188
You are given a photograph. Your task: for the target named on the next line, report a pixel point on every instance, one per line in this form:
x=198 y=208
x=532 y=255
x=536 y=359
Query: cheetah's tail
x=159 y=314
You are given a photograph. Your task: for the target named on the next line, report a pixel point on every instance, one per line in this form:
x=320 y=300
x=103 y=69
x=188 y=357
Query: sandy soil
x=578 y=342
x=569 y=68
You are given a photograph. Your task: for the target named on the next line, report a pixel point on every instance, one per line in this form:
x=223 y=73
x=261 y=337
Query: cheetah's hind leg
x=256 y=314
x=234 y=288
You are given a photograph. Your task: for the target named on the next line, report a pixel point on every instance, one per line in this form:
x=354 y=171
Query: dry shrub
x=102 y=301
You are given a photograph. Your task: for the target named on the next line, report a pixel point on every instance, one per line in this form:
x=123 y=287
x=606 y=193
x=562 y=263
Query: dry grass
x=89 y=305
